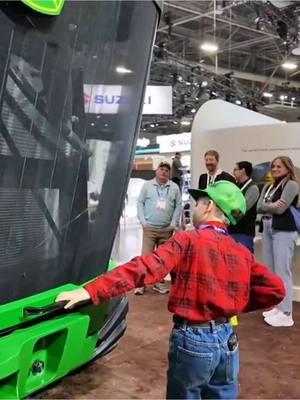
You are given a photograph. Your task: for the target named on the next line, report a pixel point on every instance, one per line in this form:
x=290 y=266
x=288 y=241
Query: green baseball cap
x=227 y=196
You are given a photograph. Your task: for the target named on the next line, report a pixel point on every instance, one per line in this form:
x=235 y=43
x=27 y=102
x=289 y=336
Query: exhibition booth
x=239 y=134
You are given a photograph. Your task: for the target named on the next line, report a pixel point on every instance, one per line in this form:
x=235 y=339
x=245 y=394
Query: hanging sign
x=107 y=99
x=173 y=143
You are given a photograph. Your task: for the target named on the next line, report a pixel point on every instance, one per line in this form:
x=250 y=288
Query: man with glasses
x=244 y=231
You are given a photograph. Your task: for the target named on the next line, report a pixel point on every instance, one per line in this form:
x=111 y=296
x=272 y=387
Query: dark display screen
x=66 y=138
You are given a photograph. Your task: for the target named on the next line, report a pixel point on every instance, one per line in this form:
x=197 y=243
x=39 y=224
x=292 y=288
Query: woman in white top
x=280 y=233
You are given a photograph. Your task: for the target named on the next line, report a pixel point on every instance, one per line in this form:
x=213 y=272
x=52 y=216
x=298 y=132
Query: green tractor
x=72 y=82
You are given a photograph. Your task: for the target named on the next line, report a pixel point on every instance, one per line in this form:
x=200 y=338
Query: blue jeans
x=246 y=240
x=278 y=252
x=201 y=363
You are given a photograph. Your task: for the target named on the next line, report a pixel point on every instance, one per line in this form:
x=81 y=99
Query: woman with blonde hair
x=280 y=233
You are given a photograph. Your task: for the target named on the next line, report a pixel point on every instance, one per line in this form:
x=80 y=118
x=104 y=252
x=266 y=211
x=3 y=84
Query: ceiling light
x=188 y=83
x=175 y=122
x=152 y=126
x=238 y=102
x=293 y=98
x=204 y=84
x=185 y=123
x=193 y=110
x=92 y=124
x=123 y=70
x=209 y=47
x=289 y=65
x=267 y=94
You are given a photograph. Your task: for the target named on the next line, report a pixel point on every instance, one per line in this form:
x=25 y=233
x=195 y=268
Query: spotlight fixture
x=213 y=95
x=209 y=47
x=176 y=78
x=282 y=30
x=185 y=123
x=267 y=94
x=152 y=126
x=168 y=22
x=162 y=50
x=289 y=65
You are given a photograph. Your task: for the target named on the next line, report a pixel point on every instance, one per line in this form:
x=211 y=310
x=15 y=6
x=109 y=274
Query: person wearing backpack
x=280 y=234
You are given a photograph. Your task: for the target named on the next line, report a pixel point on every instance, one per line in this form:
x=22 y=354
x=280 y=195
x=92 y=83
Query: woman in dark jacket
x=280 y=233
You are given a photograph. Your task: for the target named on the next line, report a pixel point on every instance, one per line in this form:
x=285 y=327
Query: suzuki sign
x=173 y=143
x=107 y=99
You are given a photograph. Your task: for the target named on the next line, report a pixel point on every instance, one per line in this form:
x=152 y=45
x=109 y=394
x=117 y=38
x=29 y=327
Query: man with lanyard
x=213 y=278
x=244 y=231
x=159 y=211
x=214 y=173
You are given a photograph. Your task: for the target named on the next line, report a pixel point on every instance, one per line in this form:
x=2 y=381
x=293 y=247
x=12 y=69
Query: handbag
x=296 y=214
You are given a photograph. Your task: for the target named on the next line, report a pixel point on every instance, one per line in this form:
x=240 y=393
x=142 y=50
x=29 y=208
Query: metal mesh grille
x=25 y=142
x=24 y=229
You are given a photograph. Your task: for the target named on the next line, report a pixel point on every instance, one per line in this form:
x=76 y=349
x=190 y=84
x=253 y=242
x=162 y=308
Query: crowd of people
x=159 y=210
x=214 y=274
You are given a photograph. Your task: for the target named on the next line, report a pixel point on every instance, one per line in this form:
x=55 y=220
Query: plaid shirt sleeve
x=141 y=271
x=266 y=288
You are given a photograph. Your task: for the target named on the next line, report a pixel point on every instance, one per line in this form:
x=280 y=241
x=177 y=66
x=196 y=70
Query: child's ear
x=210 y=204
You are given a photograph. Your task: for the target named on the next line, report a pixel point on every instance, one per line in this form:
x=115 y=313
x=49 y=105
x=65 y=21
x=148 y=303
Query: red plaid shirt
x=212 y=276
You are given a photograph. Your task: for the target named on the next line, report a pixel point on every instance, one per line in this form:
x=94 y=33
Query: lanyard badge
x=162 y=200
x=215 y=228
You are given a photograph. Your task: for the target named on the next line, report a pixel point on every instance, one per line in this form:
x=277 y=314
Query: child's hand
x=73 y=297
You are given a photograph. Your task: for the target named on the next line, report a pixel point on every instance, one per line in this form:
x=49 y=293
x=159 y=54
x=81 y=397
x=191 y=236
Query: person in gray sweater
x=280 y=234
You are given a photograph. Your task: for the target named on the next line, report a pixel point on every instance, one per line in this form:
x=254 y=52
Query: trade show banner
x=172 y=143
x=107 y=99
